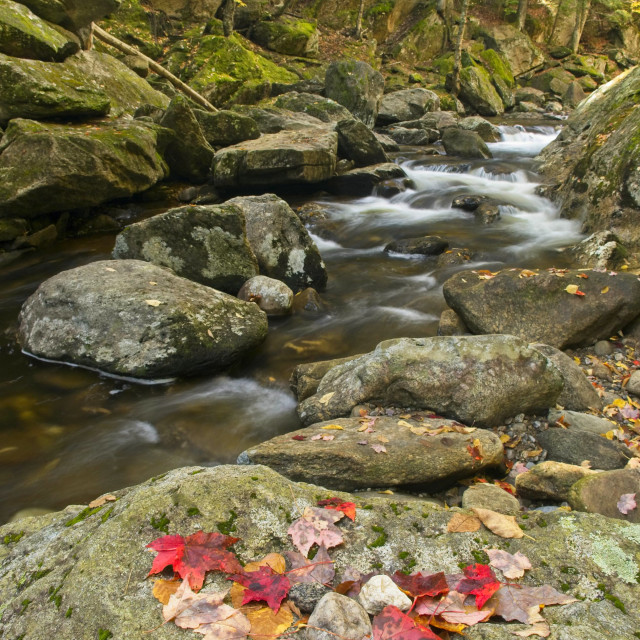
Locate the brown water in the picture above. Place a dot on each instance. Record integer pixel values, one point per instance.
(67, 434)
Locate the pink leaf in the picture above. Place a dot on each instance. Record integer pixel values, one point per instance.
(378, 448)
(627, 503)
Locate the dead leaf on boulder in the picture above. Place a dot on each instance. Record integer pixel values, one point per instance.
(539, 629)
(463, 523)
(498, 523)
(512, 566)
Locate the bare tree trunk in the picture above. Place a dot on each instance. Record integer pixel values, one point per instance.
(101, 34)
(582, 12)
(359, 20)
(444, 10)
(555, 21)
(228, 16)
(522, 13)
(455, 88)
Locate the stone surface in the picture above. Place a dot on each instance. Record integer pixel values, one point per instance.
(528, 307)
(357, 86)
(487, 131)
(108, 315)
(272, 296)
(379, 592)
(306, 377)
(451, 324)
(290, 36)
(490, 496)
(358, 143)
(274, 120)
(72, 14)
(530, 94)
(555, 81)
(362, 181)
(224, 128)
(478, 380)
(600, 250)
(427, 461)
(303, 156)
(592, 549)
(582, 421)
(51, 167)
(425, 246)
(550, 480)
(578, 394)
(516, 47)
(206, 244)
(465, 144)
(283, 247)
(323, 109)
(339, 616)
(633, 386)
(306, 595)
(414, 137)
(574, 95)
(406, 104)
(600, 492)
(477, 91)
(24, 35)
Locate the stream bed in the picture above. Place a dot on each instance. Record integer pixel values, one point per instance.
(68, 434)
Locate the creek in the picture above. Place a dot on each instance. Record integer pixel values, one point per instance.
(68, 434)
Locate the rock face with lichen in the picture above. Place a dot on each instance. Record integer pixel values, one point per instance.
(131, 318)
(87, 592)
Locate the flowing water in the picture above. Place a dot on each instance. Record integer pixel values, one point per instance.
(68, 434)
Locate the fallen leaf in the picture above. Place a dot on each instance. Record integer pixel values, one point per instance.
(98, 502)
(498, 523)
(164, 589)
(382, 438)
(452, 609)
(583, 275)
(420, 584)
(316, 526)
(321, 569)
(153, 303)
(605, 290)
(263, 584)
(527, 273)
(298, 437)
(479, 581)
(573, 289)
(512, 566)
(265, 623)
(348, 508)
(185, 599)
(379, 448)
(463, 523)
(326, 397)
(404, 423)
(321, 436)
(335, 427)
(192, 556)
(392, 624)
(539, 629)
(110, 269)
(522, 603)
(627, 503)
(209, 333)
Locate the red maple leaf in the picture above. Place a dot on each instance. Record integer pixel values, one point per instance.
(348, 508)
(263, 584)
(194, 555)
(419, 584)
(392, 624)
(479, 581)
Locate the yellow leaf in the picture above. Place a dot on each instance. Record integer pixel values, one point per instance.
(619, 402)
(109, 269)
(164, 589)
(605, 290)
(404, 423)
(572, 289)
(504, 438)
(273, 560)
(577, 360)
(527, 273)
(609, 435)
(153, 303)
(267, 624)
(383, 439)
(624, 267)
(333, 427)
(152, 283)
(463, 523)
(326, 397)
(387, 492)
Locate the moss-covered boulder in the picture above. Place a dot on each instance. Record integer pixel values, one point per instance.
(88, 84)
(290, 36)
(206, 244)
(24, 35)
(424, 41)
(224, 128)
(49, 168)
(132, 318)
(478, 92)
(515, 46)
(324, 109)
(274, 119)
(186, 9)
(102, 586)
(555, 81)
(501, 75)
(357, 86)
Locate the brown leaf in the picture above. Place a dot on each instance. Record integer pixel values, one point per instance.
(98, 502)
(498, 523)
(164, 589)
(153, 303)
(462, 523)
(512, 566)
(539, 629)
(522, 603)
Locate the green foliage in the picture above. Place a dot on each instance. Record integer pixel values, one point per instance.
(161, 523)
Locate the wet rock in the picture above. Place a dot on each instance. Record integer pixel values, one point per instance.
(38, 240)
(357, 86)
(406, 104)
(340, 617)
(601, 250)
(205, 194)
(451, 324)
(272, 296)
(361, 182)
(302, 156)
(633, 386)
(574, 446)
(132, 318)
(225, 128)
(308, 301)
(206, 244)
(600, 493)
(439, 120)
(453, 257)
(550, 480)
(108, 161)
(12, 228)
(487, 131)
(282, 245)
(554, 107)
(381, 591)
(306, 595)
(476, 379)
(465, 144)
(386, 142)
(410, 459)
(358, 143)
(529, 307)
(531, 95)
(306, 377)
(321, 108)
(578, 394)
(528, 107)
(603, 348)
(425, 246)
(469, 203)
(490, 496)
(487, 213)
(574, 95)
(477, 91)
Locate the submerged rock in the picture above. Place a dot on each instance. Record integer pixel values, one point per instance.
(425, 246)
(131, 318)
(206, 244)
(362, 181)
(479, 380)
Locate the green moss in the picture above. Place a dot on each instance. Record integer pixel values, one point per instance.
(380, 540)
(228, 526)
(105, 516)
(193, 473)
(68, 612)
(376, 565)
(193, 511)
(381, 8)
(542, 523)
(403, 554)
(104, 634)
(368, 507)
(498, 66)
(25, 603)
(87, 512)
(480, 556)
(161, 522)
(617, 603)
(394, 508)
(12, 538)
(313, 551)
(564, 587)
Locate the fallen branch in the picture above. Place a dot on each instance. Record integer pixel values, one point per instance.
(107, 38)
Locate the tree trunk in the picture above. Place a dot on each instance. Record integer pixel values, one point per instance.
(359, 20)
(455, 88)
(228, 16)
(522, 13)
(582, 11)
(444, 10)
(555, 22)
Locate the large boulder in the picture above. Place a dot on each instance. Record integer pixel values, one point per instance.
(89, 84)
(487, 131)
(479, 380)
(514, 45)
(555, 81)
(324, 109)
(88, 593)
(287, 35)
(409, 457)
(282, 245)
(465, 144)
(594, 162)
(362, 181)
(477, 91)
(206, 244)
(406, 104)
(542, 307)
(274, 119)
(132, 318)
(72, 14)
(357, 86)
(53, 167)
(358, 143)
(224, 128)
(287, 157)
(24, 35)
